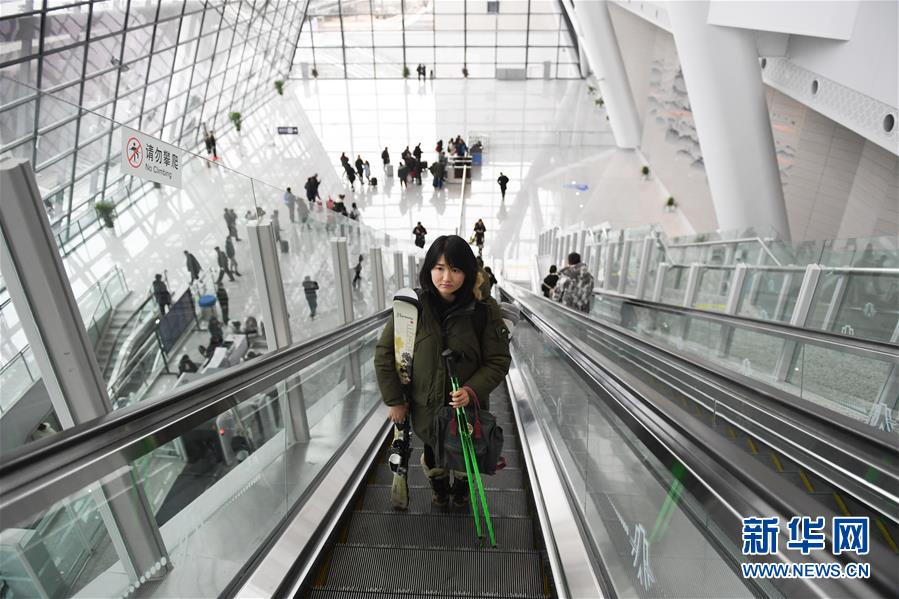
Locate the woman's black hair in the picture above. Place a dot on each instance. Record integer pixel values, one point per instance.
(457, 254)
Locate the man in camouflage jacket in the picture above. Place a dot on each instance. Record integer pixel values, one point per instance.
(575, 287)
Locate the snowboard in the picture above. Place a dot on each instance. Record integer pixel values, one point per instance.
(406, 309)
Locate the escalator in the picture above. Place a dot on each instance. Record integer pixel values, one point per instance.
(620, 482)
(428, 550)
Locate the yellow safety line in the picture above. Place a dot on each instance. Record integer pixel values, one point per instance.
(841, 504)
(752, 446)
(886, 535)
(730, 431)
(806, 482)
(776, 461)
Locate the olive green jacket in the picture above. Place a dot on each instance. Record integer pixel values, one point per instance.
(482, 363)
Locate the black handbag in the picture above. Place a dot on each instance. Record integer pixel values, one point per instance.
(486, 436)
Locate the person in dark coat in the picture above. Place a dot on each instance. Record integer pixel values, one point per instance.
(351, 176)
(357, 278)
(479, 230)
(385, 156)
(161, 294)
(360, 168)
(310, 288)
(193, 266)
(450, 309)
(232, 261)
(216, 336)
(402, 173)
(222, 260)
(550, 282)
(417, 152)
(222, 297)
(419, 231)
(503, 182)
(187, 365)
(231, 223)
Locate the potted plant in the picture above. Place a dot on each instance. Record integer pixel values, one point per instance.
(670, 204)
(645, 172)
(105, 212)
(405, 72)
(235, 118)
(590, 89)
(315, 72)
(600, 102)
(279, 86)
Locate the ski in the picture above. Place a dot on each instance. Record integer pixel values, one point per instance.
(406, 310)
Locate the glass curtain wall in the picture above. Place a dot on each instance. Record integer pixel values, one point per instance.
(166, 67)
(364, 39)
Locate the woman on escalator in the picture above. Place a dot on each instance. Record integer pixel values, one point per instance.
(453, 316)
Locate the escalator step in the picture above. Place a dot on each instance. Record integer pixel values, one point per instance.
(502, 502)
(456, 531)
(456, 573)
(508, 478)
(332, 593)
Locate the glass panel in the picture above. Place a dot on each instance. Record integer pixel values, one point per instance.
(21, 37)
(711, 293)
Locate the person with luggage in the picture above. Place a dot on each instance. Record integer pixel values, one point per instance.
(550, 282)
(222, 260)
(503, 181)
(453, 316)
(419, 231)
(193, 266)
(222, 297)
(310, 288)
(161, 294)
(350, 175)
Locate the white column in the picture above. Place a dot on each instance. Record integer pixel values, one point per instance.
(398, 271)
(276, 316)
(342, 279)
(724, 83)
(602, 50)
(377, 279)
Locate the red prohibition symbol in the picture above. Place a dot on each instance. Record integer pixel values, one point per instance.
(133, 152)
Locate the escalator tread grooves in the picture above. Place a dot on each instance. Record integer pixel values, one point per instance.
(459, 572)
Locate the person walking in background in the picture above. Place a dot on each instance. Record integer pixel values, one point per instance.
(290, 201)
(222, 297)
(360, 169)
(354, 212)
(417, 152)
(385, 156)
(358, 270)
(231, 223)
(575, 288)
(419, 231)
(216, 336)
(232, 261)
(503, 182)
(209, 140)
(193, 266)
(350, 175)
(438, 170)
(222, 260)
(312, 184)
(366, 169)
(310, 288)
(276, 226)
(161, 294)
(550, 282)
(303, 209)
(479, 230)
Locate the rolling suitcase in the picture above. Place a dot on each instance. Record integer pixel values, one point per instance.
(388, 170)
(373, 181)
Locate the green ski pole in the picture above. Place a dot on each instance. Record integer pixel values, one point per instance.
(468, 452)
(479, 482)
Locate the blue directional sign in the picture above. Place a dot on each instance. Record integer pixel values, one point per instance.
(577, 186)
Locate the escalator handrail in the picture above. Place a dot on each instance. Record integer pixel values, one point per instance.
(52, 468)
(855, 430)
(731, 482)
(867, 348)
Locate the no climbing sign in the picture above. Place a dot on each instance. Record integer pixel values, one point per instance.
(149, 158)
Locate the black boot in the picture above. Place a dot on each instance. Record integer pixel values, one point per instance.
(439, 480)
(461, 493)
